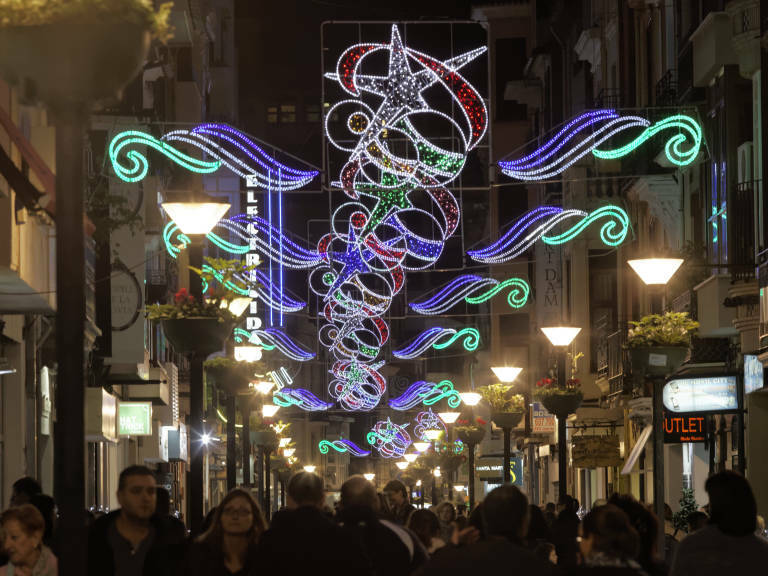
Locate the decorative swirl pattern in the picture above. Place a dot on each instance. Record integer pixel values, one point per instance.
(241, 335)
(357, 386)
(301, 398)
(280, 340)
(438, 338)
(535, 225)
(427, 393)
(390, 439)
(473, 290)
(585, 133)
(343, 446)
(428, 421)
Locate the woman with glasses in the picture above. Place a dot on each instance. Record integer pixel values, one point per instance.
(228, 547)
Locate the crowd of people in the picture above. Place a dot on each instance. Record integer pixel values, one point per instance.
(371, 533)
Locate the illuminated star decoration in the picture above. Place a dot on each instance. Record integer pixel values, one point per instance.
(374, 237)
(428, 420)
(390, 439)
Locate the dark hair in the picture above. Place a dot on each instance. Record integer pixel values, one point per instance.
(550, 507)
(27, 486)
(569, 504)
(613, 535)
(358, 492)
(27, 516)
(505, 512)
(135, 470)
(306, 489)
(448, 509)
(47, 508)
(425, 524)
(697, 520)
(732, 506)
(538, 529)
(213, 536)
(476, 519)
(643, 521)
(396, 486)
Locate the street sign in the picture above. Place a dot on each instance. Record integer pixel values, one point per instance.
(134, 419)
(681, 428)
(711, 394)
(490, 469)
(753, 373)
(596, 452)
(543, 421)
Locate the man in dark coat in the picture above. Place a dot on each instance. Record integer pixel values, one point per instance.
(133, 540)
(505, 517)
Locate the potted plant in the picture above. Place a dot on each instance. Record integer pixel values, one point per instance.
(560, 400)
(78, 50)
(470, 429)
(659, 343)
(199, 327)
(507, 408)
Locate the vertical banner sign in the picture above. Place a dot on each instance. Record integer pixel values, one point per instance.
(252, 258)
(549, 289)
(543, 421)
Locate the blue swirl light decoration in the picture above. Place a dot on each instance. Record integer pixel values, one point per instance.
(472, 289)
(537, 223)
(428, 420)
(438, 338)
(587, 132)
(374, 237)
(284, 343)
(342, 446)
(428, 394)
(301, 398)
(390, 439)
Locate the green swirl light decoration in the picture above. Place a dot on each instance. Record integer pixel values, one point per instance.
(242, 335)
(612, 232)
(138, 167)
(517, 297)
(471, 340)
(689, 132)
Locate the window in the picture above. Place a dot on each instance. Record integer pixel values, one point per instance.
(312, 113)
(287, 113)
(271, 114)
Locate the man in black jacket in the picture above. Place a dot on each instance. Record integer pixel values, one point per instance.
(505, 518)
(133, 541)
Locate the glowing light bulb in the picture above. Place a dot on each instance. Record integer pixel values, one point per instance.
(369, 476)
(310, 468)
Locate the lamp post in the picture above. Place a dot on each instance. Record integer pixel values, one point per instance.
(657, 272)
(561, 337)
(507, 375)
(196, 219)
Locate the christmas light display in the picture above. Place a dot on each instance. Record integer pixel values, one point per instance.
(390, 439)
(535, 225)
(241, 335)
(226, 145)
(343, 446)
(374, 239)
(585, 133)
(280, 340)
(428, 421)
(427, 393)
(438, 338)
(473, 290)
(301, 398)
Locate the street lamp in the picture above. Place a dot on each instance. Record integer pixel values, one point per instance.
(410, 458)
(655, 271)
(269, 410)
(506, 374)
(369, 476)
(470, 398)
(449, 417)
(264, 387)
(560, 337)
(195, 219)
(310, 468)
(402, 465)
(421, 446)
(288, 452)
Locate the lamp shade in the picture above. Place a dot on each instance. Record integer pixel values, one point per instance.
(195, 217)
(421, 446)
(288, 452)
(264, 387)
(401, 465)
(506, 374)
(655, 271)
(269, 410)
(470, 398)
(449, 417)
(432, 434)
(247, 353)
(369, 477)
(310, 468)
(560, 335)
(411, 457)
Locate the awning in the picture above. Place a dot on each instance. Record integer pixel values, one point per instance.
(637, 449)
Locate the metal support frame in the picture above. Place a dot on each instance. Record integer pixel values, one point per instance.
(196, 411)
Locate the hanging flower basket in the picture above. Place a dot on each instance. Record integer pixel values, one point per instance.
(657, 360)
(200, 336)
(470, 434)
(229, 375)
(74, 59)
(507, 419)
(264, 438)
(560, 401)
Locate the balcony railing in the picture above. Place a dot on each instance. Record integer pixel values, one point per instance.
(607, 98)
(666, 88)
(741, 237)
(746, 20)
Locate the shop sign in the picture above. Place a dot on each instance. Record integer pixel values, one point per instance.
(712, 394)
(543, 421)
(45, 401)
(174, 443)
(134, 419)
(596, 452)
(491, 469)
(681, 428)
(753, 373)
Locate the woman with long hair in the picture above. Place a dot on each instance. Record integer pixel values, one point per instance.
(23, 528)
(229, 546)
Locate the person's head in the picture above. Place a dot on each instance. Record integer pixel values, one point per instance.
(446, 512)
(668, 515)
(696, 521)
(567, 504)
(305, 489)
(396, 493)
(425, 524)
(238, 515)
(538, 530)
(162, 502)
(23, 528)
(23, 489)
(643, 521)
(550, 507)
(137, 493)
(732, 506)
(607, 530)
(47, 508)
(357, 492)
(505, 512)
